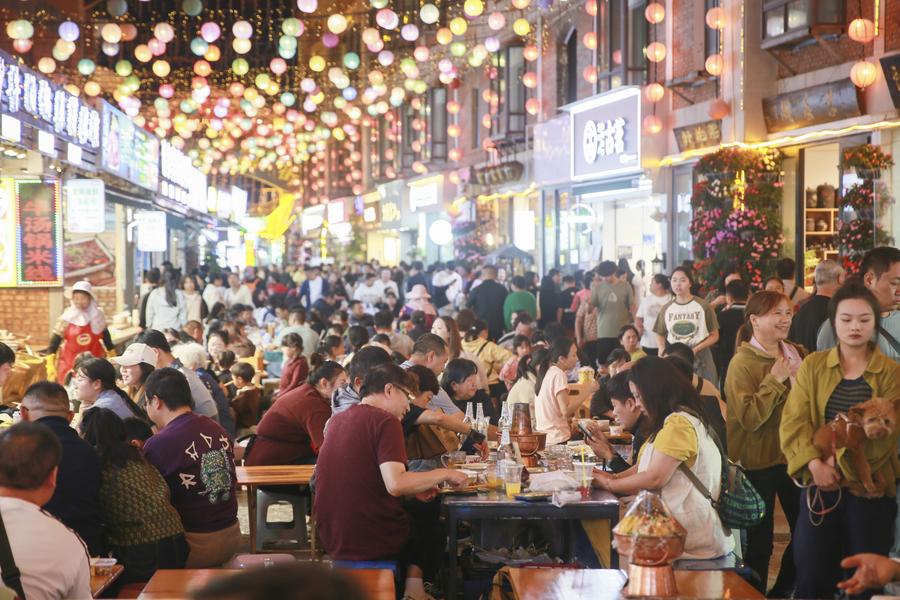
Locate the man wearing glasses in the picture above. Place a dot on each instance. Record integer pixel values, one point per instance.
(361, 483)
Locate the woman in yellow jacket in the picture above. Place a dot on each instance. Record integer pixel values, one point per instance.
(837, 517)
(760, 375)
(492, 356)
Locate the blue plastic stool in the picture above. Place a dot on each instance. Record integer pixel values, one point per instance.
(282, 535)
(366, 564)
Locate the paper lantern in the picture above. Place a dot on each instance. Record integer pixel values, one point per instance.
(142, 53)
(444, 36)
(241, 45)
(129, 32)
(22, 46)
(429, 14)
(590, 74)
(307, 6)
(337, 23)
(236, 89)
(330, 40)
(317, 63)
(473, 8)
(590, 7)
(387, 19)
(861, 30)
(715, 18)
(123, 68)
(86, 67)
(655, 13)
(92, 88)
(242, 30)
(379, 4)
(654, 92)
(386, 58)
(715, 64)
(164, 32)
(111, 33)
(161, 68)
(590, 40)
(20, 29)
(69, 31)
(530, 79)
(421, 53)
(157, 48)
(46, 65)
(210, 32)
(199, 46)
(719, 109)
(116, 8)
(652, 124)
(166, 90)
(212, 54)
(496, 21)
(656, 52)
(492, 43)
(351, 60)
(533, 106)
(109, 48)
(458, 26)
(522, 27)
(409, 32)
(531, 53)
(521, 4)
(863, 74)
(192, 8)
(202, 68)
(455, 154)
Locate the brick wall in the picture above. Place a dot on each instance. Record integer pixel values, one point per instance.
(688, 50)
(891, 26)
(106, 298)
(26, 312)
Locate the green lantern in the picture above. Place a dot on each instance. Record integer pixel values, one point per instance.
(123, 68)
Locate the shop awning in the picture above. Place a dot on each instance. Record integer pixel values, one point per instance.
(627, 183)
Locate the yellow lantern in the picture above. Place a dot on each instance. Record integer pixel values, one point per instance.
(530, 79)
(656, 52)
(92, 88)
(655, 13)
(715, 18)
(317, 63)
(652, 124)
(654, 92)
(715, 64)
(46, 65)
(337, 23)
(473, 8)
(458, 26)
(861, 30)
(522, 27)
(590, 40)
(111, 33)
(444, 36)
(161, 68)
(863, 74)
(142, 53)
(212, 54)
(241, 45)
(521, 4)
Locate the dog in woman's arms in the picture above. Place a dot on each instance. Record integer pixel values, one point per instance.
(873, 419)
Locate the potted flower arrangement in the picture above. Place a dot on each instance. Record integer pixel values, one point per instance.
(868, 160)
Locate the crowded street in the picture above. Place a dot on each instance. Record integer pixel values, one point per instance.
(468, 300)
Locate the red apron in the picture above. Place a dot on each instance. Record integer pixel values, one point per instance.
(77, 340)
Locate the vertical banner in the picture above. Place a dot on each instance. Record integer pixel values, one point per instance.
(152, 235)
(39, 234)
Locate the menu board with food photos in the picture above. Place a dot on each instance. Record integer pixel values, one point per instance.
(39, 233)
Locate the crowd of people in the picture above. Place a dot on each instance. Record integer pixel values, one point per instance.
(373, 373)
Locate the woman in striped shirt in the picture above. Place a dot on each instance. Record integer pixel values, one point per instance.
(837, 517)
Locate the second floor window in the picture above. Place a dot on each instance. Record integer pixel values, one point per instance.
(437, 123)
(786, 21)
(623, 35)
(567, 69)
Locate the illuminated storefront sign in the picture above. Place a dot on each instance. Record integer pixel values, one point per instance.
(50, 107)
(8, 252)
(425, 192)
(39, 233)
(312, 218)
(606, 135)
(128, 151)
(336, 213)
(181, 181)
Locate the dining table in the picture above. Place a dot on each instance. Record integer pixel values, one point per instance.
(172, 584)
(103, 577)
(253, 477)
(600, 506)
(608, 584)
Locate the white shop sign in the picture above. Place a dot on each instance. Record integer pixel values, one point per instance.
(606, 135)
(424, 195)
(182, 181)
(152, 235)
(85, 206)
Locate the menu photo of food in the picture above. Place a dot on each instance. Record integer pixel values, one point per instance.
(89, 258)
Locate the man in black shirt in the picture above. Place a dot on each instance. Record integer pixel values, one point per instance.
(487, 301)
(730, 318)
(628, 415)
(829, 276)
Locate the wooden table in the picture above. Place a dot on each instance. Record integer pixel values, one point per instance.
(601, 505)
(607, 584)
(253, 477)
(378, 584)
(104, 578)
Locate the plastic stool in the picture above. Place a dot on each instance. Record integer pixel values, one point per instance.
(247, 561)
(366, 565)
(284, 535)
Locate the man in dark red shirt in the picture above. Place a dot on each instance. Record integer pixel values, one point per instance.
(361, 480)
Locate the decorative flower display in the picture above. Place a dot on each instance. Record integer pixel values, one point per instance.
(868, 157)
(736, 220)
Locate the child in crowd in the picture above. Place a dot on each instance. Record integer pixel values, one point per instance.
(509, 371)
(223, 372)
(247, 399)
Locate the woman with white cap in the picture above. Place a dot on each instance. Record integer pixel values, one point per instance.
(135, 365)
(418, 298)
(81, 328)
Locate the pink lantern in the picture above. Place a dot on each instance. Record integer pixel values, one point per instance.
(210, 32)
(22, 46)
(278, 66)
(166, 90)
(330, 40)
(157, 47)
(387, 18)
(421, 53)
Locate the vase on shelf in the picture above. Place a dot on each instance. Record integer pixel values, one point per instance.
(826, 194)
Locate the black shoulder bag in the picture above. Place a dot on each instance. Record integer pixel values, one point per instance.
(10, 573)
(891, 339)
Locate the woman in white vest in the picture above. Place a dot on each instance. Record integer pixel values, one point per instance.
(677, 433)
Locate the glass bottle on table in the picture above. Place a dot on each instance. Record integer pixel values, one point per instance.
(470, 417)
(505, 453)
(481, 424)
(505, 421)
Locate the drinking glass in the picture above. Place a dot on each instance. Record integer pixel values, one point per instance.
(512, 478)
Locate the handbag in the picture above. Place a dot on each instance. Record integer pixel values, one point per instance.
(10, 573)
(430, 441)
(739, 505)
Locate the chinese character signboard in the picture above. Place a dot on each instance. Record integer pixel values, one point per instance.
(606, 135)
(891, 67)
(811, 106)
(181, 181)
(27, 95)
(39, 233)
(699, 135)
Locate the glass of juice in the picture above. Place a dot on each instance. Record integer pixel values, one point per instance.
(512, 478)
(493, 477)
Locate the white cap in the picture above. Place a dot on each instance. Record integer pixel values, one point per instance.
(83, 286)
(136, 354)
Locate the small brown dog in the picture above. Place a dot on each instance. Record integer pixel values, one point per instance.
(873, 419)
